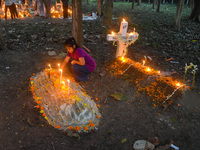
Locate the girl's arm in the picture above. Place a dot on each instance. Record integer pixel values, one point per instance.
(80, 61)
(65, 62)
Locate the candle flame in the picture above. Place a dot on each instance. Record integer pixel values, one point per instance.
(143, 62)
(124, 20)
(131, 33)
(113, 33)
(67, 80)
(60, 70)
(158, 72)
(178, 84)
(63, 82)
(148, 69)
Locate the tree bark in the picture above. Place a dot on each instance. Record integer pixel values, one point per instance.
(196, 11)
(158, 6)
(77, 25)
(47, 4)
(88, 1)
(154, 2)
(1, 38)
(192, 5)
(133, 3)
(99, 7)
(139, 2)
(107, 17)
(179, 13)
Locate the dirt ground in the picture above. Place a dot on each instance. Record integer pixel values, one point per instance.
(123, 122)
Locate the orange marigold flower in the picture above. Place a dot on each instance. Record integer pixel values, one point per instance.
(33, 73)
(179, 105)
(85, 128)
(98, 116)
(98, 106)
(38, 102)
(91, 125)
(70, 127)
(33, 93)
(57, 126)
(31, 79)
(42, 108)
(37, 106)
(96, 99)
(35, 97)
(77, 128)
(44, 115)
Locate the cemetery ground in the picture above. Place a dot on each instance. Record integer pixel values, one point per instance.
(123, 122)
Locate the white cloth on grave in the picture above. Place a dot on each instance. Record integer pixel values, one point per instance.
(40, 8)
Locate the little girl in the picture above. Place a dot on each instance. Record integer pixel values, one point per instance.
(78, 61)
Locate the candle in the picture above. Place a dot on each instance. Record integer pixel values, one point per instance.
(111, 37)
(123, 27)
(68, 85)
(63, 84)
(60, 75)
(59, 66)
(143, 62)
(49, 70)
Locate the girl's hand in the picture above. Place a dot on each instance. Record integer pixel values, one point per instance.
(73, 62)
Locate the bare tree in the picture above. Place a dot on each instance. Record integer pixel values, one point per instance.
(133, 3)
(179, 13)
(100, 8)
(158, 6)
(107, 17)
(139, 2)
(1, 38)
(77, 25)
(47, 4)
(154, 2)
(196, 11)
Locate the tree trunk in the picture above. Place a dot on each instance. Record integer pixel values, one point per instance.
(139, 2)
(47, 4)
(154, 2)
(133, 3)
(1, 38)
(158, 6)
(172, 2)
(149, 1)
(196, 11)
(187, 2)
(99, 7)
(179, 12)
(88, 1)
(192, 5)
(163, 2)
(77, 25)
(107, 17)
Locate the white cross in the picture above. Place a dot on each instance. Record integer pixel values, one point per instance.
(123, 38)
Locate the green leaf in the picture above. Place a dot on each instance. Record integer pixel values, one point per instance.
(119, 96)
(124, 140)
(173, 119)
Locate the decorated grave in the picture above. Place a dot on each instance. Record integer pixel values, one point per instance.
(161, 89)
(63, 103)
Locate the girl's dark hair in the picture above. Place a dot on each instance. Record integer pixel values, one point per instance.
(70, 42)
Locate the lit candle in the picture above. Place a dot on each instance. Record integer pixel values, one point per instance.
(68, 85)
(178, 84)
(148, 69)
(49, 70)
(143, 62)
(59, 66)
(60, 75)
(123, 27)
(63, 84)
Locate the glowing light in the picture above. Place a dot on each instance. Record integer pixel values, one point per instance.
(124, 20)
(143, 62)
(131, 33)
(148, 69)
(68, 85)
(60, 75)
(158, 72)
(113, 33)
(178, 84)
(63, 84)
(59, 66)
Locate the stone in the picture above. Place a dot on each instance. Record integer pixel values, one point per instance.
(52, 53)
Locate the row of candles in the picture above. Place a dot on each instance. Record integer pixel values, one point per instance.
(149, 70)
(61, 82)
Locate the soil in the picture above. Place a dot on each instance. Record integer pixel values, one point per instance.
(123, 122)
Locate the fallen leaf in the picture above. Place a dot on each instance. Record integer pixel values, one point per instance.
(119, 96)
(124, 140)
